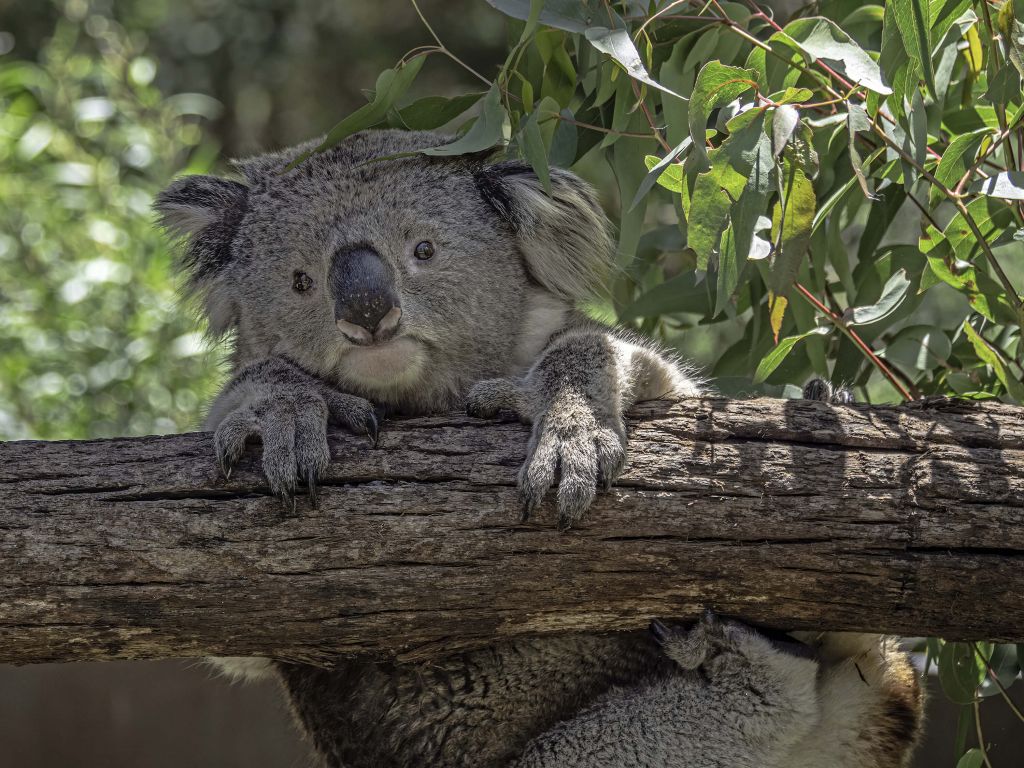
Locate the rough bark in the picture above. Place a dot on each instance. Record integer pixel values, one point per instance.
(791, 513)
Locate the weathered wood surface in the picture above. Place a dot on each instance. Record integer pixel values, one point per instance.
(789, 513)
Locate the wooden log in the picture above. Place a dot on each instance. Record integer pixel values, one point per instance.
(787, 513)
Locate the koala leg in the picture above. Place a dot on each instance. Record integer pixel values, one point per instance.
(735, 700)
(871, 704)
(288, 409)
(575, 396)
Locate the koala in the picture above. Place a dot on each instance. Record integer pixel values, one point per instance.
(372, 279)
(737, 699)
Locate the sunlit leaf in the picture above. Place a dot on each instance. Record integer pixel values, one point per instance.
(785, 119)
(717, 84)
(1007, 185)
(665, 171)
(821, 38)
(913, 18)
(619, 45)
(893, 294)
(791, 229)
(774, 359)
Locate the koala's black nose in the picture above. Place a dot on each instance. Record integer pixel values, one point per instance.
(366, 306)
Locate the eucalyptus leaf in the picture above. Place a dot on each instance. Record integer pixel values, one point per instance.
(1007, 185)
(391, 85)
(619, 45)
(821, 38)
(785, 119)
(717, 84)
(658, 169)
(488, 131)
(774, 358)
(893, 294)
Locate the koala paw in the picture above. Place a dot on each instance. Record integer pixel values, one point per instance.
(293, 428)
(825, 392)
(581, 451)
(488, 397)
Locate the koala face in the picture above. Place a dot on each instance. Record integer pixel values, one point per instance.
(403, 279)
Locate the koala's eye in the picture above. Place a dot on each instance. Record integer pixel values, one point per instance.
(302, 282)
(424, 250)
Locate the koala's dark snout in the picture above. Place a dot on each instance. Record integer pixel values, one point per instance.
(366, 305)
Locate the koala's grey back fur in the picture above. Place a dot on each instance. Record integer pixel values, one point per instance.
(490, 320)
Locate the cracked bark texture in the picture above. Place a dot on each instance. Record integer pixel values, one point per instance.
(787, 513)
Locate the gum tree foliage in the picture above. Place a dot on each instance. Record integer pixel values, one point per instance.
(841, 195)
(94, 341)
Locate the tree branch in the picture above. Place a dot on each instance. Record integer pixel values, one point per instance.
(788, 513)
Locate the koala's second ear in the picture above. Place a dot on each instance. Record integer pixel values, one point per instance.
(564, 237)
(205, 211)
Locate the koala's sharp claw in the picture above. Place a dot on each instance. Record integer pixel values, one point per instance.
(373, 430)
(660, 631)
(228, 469)
(527, 505)
(288, 503)
(314, 496)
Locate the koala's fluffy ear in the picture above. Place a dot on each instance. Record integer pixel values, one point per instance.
(205, 211)
(564, 237)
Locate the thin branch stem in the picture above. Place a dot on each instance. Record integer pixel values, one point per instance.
(981, 736)
(591, 127)
(444, 49)
(650, 118)
(839, 323)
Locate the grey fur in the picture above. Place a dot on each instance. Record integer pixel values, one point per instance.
(489, 323)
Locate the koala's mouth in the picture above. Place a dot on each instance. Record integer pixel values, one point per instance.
(394, 364)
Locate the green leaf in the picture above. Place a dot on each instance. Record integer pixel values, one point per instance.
(791, 229)
(391, 85)
(960, 152)
(434, 111)
(792, 96)
(536, 153)
(785, 120)
(488, 131)
(619, 45)
(717, 84)
(666, 171)
(821, 38)
(893, 294)
(913, 18)
(988, 355)
(972, 758)
(713, 195)
(1006, 185)
(774, 358)
(960, 673)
